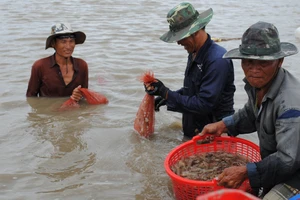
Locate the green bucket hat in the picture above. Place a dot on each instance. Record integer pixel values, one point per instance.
(261, 42)
(184, 20)
(62, 29)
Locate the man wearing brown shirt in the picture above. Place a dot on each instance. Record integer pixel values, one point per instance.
(59, 75)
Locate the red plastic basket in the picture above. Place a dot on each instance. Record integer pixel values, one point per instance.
(189, 189)
(227, 194)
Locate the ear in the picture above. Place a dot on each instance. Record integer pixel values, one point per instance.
(53, 43)
(280, 61)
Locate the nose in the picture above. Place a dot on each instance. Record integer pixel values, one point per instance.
(69, 44)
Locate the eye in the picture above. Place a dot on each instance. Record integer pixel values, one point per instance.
(246, 62)
(266, 63)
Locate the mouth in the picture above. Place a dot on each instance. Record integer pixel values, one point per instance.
(254, 77)
(251, 76)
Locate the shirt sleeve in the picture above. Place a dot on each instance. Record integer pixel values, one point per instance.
(34, 82)
(242, 122)
(86, 76)
(209, 92)
(283, 164)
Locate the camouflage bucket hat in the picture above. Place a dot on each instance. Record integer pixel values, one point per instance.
(184, 20)
(62, 29)
(261, 42)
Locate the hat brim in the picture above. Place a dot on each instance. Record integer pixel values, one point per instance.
(202, 20)
(287, 49)
(79, 38)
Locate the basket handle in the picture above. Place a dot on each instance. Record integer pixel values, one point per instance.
(203, 139)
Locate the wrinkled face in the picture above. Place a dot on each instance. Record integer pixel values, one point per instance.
(188, 44)
(64, 46)
(260, 72)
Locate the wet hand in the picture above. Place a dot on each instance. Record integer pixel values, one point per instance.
(157, 88)
(215, 129)
(232, 177)
(76, 94)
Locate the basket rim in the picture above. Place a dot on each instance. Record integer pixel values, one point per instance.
(193, 141)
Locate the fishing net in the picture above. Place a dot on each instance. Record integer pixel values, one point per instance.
(144, 121)
(91, 97)
(69, 104)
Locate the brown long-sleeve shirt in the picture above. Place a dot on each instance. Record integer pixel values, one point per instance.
(46, 79)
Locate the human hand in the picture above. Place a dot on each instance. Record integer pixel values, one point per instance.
(215, 129)
(232, 177)
(158, 102)
(157, 88)
(76, 94)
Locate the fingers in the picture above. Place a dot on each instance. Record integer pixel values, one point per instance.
(159, 104)
(150, 89)
(215, 129)
(156, 108)
(232, 177)
(223, 181)
(148, 86)
(205, 130)
(76, 94)
(153, 91)
(228, 184)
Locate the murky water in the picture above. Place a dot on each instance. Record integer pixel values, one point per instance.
(93, 152)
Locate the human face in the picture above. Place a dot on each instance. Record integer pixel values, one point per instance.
(260, 72)
(188, 44)
(64, 46)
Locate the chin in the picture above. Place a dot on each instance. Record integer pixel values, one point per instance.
(256, 85)
(67, 55)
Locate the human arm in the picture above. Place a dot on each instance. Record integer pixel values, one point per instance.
(83, 79)
(159, 89)
(34, 82)
(202, 89)
(280, 152)
(205, 88)
(231, 177)
(215, 129)
(84, 70)
(86, 78)
(241, 122)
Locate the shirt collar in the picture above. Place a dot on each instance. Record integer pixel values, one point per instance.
(202, 51)
(53, 62)
(274, 89)
(277, 82)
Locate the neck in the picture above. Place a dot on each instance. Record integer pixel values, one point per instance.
(61, 60)
(200, 39)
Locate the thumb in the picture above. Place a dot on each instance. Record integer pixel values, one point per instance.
(219, 179)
